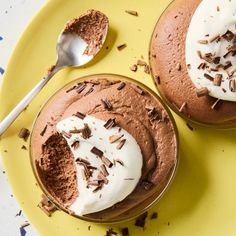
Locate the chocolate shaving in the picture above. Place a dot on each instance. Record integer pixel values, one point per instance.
(98, 188)
(85, 171)
(134, 68)
(121, 86)
(79, 115)
(24, 147)
(217, 79)
(232, 85)
(199, 54)
(215, 38)
(120, 162)
(125, 231)
(104, 170)
(227, 65)
(24, 134)
(110, 232)
(86, 131)
(107, 162)
(107, 104)
(209, 77)
(94, 182)
(122, 46)
(138, 89)
(89, 91)
(189, 126)
(128, 178)
(102, 178)
(75, 144)
(121, 144)
(141, 220)
(216, 60)
(82, 160)
(203, 41)
(80, 88)
(75, 131)
(44, 130)
(228, 35)
(70, 89)
(115, 137)
(110, 123)
(202, 66)
(141, 63)
(131, 12)
(97, 151)
(24, 225)
(202, 92)
(154, 216)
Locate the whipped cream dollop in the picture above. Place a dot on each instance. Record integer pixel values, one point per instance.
(108, 162)
(211, 48)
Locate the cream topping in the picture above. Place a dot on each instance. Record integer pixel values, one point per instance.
(211, 48)
(123, 175)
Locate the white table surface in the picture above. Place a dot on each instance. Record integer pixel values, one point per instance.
(14, 17)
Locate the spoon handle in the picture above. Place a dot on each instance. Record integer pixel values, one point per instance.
(6, 122)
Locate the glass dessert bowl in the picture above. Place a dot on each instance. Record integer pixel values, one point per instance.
(104, 148)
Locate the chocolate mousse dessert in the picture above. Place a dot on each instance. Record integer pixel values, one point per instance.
(192, 56)
(104, 148)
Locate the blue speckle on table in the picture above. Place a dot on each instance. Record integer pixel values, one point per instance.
(22, 231)
(2, 70)
(1, 38)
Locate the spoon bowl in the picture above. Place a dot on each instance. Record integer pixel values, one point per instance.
(79, 42)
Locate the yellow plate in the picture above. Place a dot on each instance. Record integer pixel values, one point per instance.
(200, 201)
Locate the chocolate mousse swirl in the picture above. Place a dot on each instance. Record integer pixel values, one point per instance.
(133, 109)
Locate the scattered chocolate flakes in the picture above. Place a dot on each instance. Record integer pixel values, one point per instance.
(189, 126)
(209, 77)
(120, 162)
(216, 60)
(24, 147)
(215, 104)
(110, 123)
(97, 151)
(128, 178)
(121, 144)
(104, 170)
(47, 206)
(134, 68)
(218, 8)
(141, 63)
(71, 89)
(227, 65)
(121, 86)
(24, 134)
(202, 92)
(44, 130)
(115, 137)
(86, 171)
(203, 41)
(232, 85)
(93, 182)
(89, 91)
(67, 135)
(125, 231)
(107, 104)
(147, 69)
(154, 216)
(79, 115)
(138, 89)
(89, 227)
(199, 54)
(98, 188)
(141, 220)
(75, 131)
(217, 79)
(19, 213)
(107, 162)
(188, 66)
(80, 88)
(121, 46)
(86, 131)
(131, 12)
(146, 184)
(215, 38)
(228, 35)
(75, 144)
(82, 160)
(202, 66)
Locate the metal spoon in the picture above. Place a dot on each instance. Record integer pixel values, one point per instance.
(79, 42)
